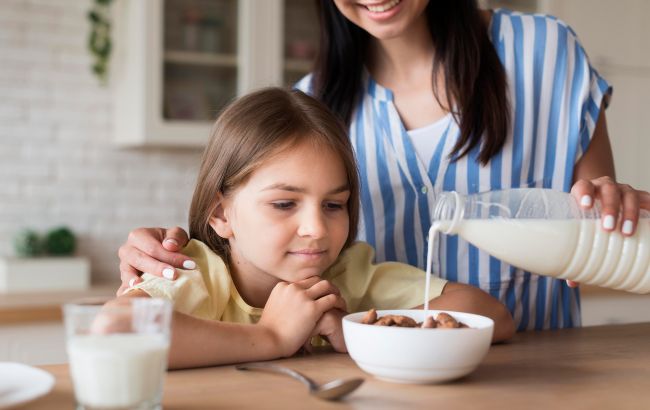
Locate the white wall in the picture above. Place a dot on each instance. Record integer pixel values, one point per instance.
(58, 165)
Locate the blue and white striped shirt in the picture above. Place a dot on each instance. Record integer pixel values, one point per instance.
(555, 96)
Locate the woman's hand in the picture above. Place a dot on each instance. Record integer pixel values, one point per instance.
(620, 204)
(155, 251)
(615, 199)
(294, 309)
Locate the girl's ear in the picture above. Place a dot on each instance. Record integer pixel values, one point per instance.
(219, 220)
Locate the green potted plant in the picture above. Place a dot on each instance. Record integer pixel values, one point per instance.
(44, 262)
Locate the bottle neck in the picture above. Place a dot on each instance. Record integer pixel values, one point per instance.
(448, 212)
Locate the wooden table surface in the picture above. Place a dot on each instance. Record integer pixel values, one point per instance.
(605, 367)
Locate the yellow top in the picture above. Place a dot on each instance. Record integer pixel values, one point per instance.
(208, 291)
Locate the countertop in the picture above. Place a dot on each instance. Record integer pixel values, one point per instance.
(46, 306)
(588, 368)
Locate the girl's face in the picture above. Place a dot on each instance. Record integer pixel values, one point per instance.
(289, 220)
(383, 19)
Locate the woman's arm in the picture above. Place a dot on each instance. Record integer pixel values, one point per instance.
(594, 177)
(465, 298)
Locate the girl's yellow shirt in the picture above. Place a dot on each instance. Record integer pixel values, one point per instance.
(208, 291)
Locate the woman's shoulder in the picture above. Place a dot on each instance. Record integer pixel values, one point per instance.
(305, 84)
(515, 26)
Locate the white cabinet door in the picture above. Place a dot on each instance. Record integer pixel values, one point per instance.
(178, 63)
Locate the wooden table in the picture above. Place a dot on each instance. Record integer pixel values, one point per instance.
(606, 367)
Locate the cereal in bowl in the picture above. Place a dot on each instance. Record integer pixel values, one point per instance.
(443, 320)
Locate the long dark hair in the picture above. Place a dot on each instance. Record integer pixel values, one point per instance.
(475, 80)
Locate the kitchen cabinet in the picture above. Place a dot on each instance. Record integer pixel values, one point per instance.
(178, 63)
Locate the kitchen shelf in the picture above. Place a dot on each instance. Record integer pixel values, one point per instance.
(199, 58)
(300, 65)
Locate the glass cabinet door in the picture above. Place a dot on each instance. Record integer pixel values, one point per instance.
(301, 32)
(199, 58)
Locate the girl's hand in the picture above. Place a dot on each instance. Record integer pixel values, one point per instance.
(293, 310)
(615, 199)
(155, 251)
(330, 326)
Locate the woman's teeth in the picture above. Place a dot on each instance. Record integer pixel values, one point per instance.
(380, 8)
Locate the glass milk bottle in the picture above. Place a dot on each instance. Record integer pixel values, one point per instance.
(546, 232)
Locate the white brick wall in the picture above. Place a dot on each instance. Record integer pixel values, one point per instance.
(58, 165)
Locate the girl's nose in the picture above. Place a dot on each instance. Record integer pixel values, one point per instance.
(312, 224)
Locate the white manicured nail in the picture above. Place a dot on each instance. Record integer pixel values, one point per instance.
(585, 200)
(188, 264)
(172, 241)
(608, 222)
(132, 282)
(628, 227)
(168, 273)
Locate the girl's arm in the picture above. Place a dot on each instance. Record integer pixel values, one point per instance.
(465, 298)
(288, 319)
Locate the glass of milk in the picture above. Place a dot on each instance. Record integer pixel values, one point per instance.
(118, 352)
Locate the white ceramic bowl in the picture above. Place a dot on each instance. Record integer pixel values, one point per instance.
(414, 355)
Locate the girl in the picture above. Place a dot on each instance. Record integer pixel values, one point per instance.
(273, 220)
(438, 96)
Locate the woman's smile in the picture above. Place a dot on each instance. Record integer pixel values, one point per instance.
(382, 10)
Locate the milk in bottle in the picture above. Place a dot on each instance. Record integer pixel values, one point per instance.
(546, 232)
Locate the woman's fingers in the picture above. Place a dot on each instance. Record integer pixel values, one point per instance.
(150, 242)
(142, 262)
(610, 201)
(572, 284)
(175, 239)
(129, 277)
(145, 251)
(630, 212)
(616, 200)
(644, 200)
(584, 192)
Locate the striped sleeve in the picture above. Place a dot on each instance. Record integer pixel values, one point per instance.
(587, 93)
(304, 84)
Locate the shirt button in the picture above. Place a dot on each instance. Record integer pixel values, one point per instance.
(424, 190)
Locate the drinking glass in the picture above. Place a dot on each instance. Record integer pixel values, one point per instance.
(118, 352)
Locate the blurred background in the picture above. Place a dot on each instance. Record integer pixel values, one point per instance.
(101, 126)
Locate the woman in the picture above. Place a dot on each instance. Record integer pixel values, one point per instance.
(439, 95)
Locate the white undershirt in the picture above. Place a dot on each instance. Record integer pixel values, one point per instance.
(426, 139)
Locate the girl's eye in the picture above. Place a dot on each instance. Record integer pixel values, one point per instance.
(334, 206)
(283, 205)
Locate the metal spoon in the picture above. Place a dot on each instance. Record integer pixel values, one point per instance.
(334, 390)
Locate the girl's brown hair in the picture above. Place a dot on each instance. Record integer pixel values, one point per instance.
(253, 129)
